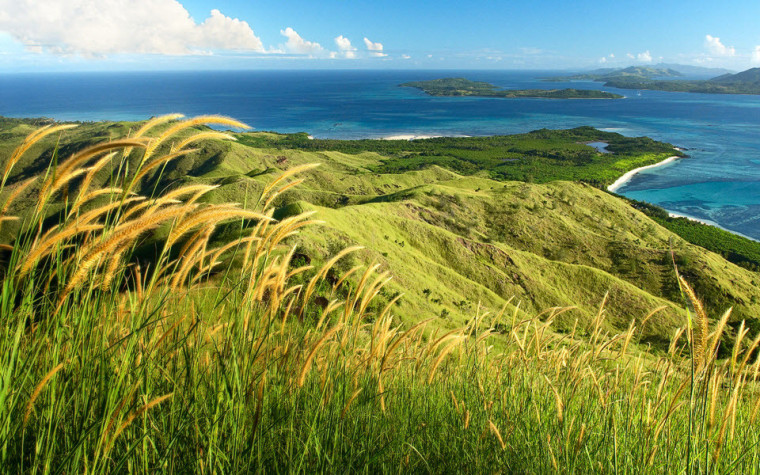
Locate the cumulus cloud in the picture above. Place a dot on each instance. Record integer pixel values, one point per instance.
(644, 57)
(343, 43)
(603, 59)
(373, 46)
(298, 45)
(376, 49)
(714, 46)
(406, 56)
(103, 27)
(345, 46)
(756, 54)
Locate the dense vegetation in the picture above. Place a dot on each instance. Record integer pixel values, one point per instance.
(745, 82)
(151, 324)
(638, 72)
(540, 156)
(465, 87)
(737, 249)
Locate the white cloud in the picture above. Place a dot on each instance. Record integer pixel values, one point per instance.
(714, 46)
(531, 50)
(298, 45)
(103, 27)
(344, 45)
(644, 57)
(375, 48)
(756, 54)
(406, 56)
(612, 55)
(603, 59)
(630, 56)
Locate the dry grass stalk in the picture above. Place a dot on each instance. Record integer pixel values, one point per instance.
(180, 126)
(313, 352)
(208, 135)
(287, 174)
(208, 215)
(90, 176)
(135, 414)
(69, 169)
(441, 356)
(323, 272)
(121, 234)
(47, 246)
(348, 404)
(495, 431)
(16, 192)
(38, 389)
(702, 326)
(158, 162)
(32, 139)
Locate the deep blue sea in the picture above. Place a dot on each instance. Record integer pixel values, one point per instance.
(719, 183)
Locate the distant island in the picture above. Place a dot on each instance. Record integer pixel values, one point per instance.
(464, 87)
(746, 82)
(603, 75)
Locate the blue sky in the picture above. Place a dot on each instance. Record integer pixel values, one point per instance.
(55, 35)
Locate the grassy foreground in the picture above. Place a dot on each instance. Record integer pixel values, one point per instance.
(222, 354)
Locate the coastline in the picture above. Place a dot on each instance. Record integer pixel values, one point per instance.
(627, 176)
(416, 137)
(410, 137)
(709, 223)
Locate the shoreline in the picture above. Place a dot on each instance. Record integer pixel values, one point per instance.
(628, 175)
(409, 137)
(708, 222)
(414, 137)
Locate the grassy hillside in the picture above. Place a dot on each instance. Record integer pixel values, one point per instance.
(447, 220)
(151, 324)
(745, 82)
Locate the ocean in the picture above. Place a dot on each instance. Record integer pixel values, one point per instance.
(719, 183)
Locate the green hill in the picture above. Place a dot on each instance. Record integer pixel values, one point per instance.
(171, 305)
(462, 222)
(605, 74)
(746, 82)
(465, 87)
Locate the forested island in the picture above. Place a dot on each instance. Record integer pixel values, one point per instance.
(464, 87)
(746, 82)
(605, 74)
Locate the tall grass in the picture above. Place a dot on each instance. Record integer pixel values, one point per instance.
(220, 357)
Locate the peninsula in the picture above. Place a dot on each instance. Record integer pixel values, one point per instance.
(464, 87)
(605, 74)
(745, 82)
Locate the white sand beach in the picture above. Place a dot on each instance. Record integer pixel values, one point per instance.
(417, 136)
(410, 137)
(625, 178)
(692, 218)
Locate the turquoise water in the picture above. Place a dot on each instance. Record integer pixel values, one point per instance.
(719, 182)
